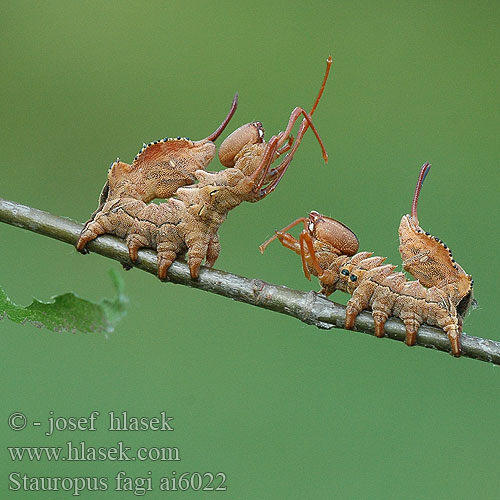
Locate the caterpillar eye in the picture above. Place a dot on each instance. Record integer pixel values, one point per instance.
(345, 272)
(213, 192)
(354, 277)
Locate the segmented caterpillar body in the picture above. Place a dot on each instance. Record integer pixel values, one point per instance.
(189, 220)
(441, 295)
(386, 293)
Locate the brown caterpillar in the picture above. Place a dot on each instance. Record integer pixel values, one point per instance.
(189, 221)
(158, 170)
(441, 295)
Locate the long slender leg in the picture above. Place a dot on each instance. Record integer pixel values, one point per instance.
(281, 231)
(273, 172)
(305, 125)
(322, 88)
(303, 252)
(279, 171)
(288, 241)
(259, 175)
(286, 147)
(294, 116)
(305, 238)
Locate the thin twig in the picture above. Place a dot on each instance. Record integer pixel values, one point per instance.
(309, 307)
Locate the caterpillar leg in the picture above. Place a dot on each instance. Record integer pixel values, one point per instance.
(412, 325)
(103, 223)
(197, 251)
(165, 258)
(134, 243)
(90, 232)
(359, 301)
(213, 251)
(326, 289)
(454, 333)
(379, 318)
(351, 313)
(116, 217)
(170, 245)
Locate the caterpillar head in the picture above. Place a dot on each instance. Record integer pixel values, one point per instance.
(332, 233)
(251, 133)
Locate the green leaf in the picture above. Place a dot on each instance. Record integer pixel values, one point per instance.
(68, 312)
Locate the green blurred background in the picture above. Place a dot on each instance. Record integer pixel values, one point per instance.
(285, 410)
